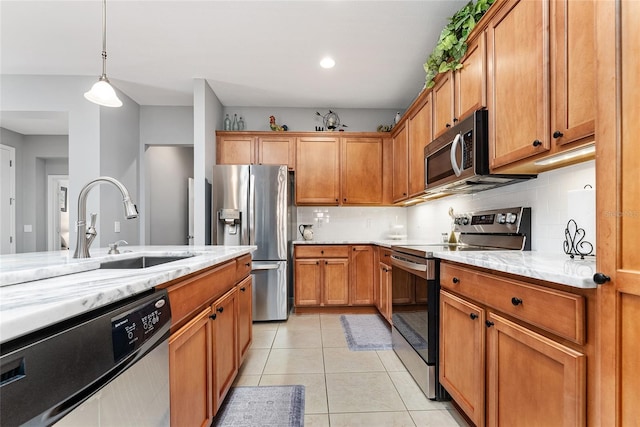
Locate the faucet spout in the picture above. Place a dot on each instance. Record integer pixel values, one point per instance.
(84, 237)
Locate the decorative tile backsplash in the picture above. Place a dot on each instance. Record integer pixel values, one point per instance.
(547, 196)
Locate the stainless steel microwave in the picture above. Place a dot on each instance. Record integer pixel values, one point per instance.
(458, 160)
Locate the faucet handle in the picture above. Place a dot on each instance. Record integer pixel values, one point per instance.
(113, 247)
(93, 219)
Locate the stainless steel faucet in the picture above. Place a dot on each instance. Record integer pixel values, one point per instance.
(85, 236)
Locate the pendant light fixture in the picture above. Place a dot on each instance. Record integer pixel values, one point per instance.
(102, 93)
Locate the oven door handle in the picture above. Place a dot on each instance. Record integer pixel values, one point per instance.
(407, 264)
(456, 169)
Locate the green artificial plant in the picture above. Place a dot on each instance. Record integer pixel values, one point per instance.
(452, 44)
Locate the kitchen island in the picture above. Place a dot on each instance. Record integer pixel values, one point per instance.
(43, 288)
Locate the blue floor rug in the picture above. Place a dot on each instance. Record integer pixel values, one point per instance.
(366, 332)
(268, 406)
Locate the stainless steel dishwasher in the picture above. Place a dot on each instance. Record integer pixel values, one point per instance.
(108, 367)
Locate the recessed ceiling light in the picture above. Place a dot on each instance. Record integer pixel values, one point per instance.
(327, 62)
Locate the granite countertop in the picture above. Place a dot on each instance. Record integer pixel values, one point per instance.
(555, 268)
(29, 300)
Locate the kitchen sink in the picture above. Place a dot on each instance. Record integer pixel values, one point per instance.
(141, 262)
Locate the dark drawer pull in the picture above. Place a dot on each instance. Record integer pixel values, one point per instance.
(473, 316)
(243, 289)
(516, 301)
(220, 309)
(248, 264)
(213, 316)
(488, 323)
(537, 143)
(557, 134)
(456, 280)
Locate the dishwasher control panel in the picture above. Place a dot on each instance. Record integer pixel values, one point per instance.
(131, 329)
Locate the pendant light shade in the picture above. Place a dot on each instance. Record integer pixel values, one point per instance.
(102, 93)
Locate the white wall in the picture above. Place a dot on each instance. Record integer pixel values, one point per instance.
(305, 119)
(546, 195)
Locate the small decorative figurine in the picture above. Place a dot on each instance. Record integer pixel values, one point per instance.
(274, 126)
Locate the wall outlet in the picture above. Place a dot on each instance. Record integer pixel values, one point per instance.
(116, 227)
(28, 228)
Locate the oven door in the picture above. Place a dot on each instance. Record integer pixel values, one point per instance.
(414, 306)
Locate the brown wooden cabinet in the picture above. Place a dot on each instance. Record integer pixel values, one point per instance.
(443, 104)
(400, 164)
(618, 211)
(249, 148)
(361, 168)
(362, 275)
(518, 83)
(224, 342)
(321, 275)
(462, 349)
(245, 316)
(190, 373)
(532, 377)
(383, 284)
(419, 135)
(318, 170)
(470, 81)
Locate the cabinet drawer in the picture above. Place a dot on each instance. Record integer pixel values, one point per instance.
(322, 251)
(193, 294)
(558, 312)
(385, 256)
(243, 267)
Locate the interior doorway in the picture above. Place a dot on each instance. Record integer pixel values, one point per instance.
(58, 212)
(7, 200)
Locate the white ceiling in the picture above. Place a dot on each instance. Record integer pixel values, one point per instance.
(252, 53)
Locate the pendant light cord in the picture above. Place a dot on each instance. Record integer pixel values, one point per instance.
(104, 39)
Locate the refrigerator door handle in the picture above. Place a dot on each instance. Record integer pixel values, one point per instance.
(252, 207)
(265, 267)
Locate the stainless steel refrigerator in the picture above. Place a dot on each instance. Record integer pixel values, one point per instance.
(252, 205)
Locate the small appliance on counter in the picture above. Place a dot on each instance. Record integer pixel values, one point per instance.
(416, 326)
(306, 231)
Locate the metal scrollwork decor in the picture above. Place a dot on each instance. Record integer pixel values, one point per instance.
(574, 243)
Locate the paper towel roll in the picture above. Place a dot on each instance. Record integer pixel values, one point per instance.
(582, 209)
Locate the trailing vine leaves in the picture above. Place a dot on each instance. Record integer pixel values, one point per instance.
(452, 43)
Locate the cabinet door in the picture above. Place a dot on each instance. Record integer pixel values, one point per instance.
(443, 102)
(276, 150)
(335, 281)
(190, 372)
(518, 87)
(384, 293)
(317, 171)
(308, 278)
(362, 275)
(224, 345)
(245, 316)
(532, 380)
(235, 150)
(462, 350)
(573, 65)
(361, 171)
(419, 136)
(471, 80)
(618, 210)
(400, 165)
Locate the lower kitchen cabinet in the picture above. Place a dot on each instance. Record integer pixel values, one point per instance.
(383, 285)
(245, 316)
(224, 344)
(504, 372)
(362, 275)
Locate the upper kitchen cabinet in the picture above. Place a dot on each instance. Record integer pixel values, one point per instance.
(573, 64)
(419, 134)
(318, 170)
(249, 148)
(443, 104)
(518, 83)
(400, 163)
(362, 171)
(470, 81)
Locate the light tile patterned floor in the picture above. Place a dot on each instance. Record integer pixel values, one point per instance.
(342, 387)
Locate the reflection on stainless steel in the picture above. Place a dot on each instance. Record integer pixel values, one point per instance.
(85, 236)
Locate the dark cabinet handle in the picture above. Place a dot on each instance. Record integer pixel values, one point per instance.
(601, 278)
(213, 316)
(386, 255)
(326, 263)
(322, 252)
(242, 289)
(317, 262)
(248, 264)
(456, 280)
(473, 316)
(455, 120)
(354, 249)
(344, 200)
(516, 301)
(447, 125)
(220, 309)
(336, 200)
(488, 323)
(537, 143)
(557, 134)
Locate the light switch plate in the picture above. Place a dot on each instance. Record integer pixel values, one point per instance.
(116, 227)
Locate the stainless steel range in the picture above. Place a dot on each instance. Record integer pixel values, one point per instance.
(416, 288)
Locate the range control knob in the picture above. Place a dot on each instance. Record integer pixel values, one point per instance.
(465, 220)
(501, 218)
(512, 217)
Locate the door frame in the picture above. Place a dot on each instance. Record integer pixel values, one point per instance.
(12, 196)
(53, 210)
